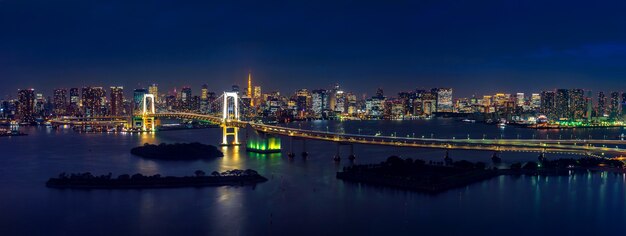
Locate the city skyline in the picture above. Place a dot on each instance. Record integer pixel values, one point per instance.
(361, 45)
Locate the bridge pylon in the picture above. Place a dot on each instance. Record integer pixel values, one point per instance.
(227, 117)
(147, 115)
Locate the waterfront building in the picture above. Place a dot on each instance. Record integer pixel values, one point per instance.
(26, 105)
(320, 102)
(561, 104)
(577, 104)
(93, 101)
(74, 107)
(117, 101)
(614, 106)
(601, 110)
(138, 95)
(548, 104)
(444, 99)
(60, 102)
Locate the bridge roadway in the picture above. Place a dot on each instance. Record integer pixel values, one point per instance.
(569, 146)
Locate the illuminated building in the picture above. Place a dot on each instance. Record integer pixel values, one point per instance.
(74, 107)
(250, 89)
(577, 104)
(39, 104)
(117, 101)
(94, 101)
(26, 104)
(624, 104)
(204, 92)
(614, 108)
(320, 100)
(185, 98)
(547, 104)
(138, 95)
(257, 95)
(204, 99)
(601, 108)
(561, 104)
(444, 100)
(154, 90)
(520, 99)
(340, 101)
(303, 102)
(60, 102)
(352, 103)
(535, 101)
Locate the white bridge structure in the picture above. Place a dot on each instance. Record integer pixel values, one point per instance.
(231, 123)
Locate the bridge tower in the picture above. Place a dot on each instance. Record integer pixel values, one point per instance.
(148, 123)
(227, 128)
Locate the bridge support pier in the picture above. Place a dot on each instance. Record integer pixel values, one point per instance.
(291, 154)
(337, 158)
(230, 131)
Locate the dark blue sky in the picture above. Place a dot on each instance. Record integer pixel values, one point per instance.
(473, 46)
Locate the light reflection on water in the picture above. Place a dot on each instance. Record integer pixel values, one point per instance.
(302, 196)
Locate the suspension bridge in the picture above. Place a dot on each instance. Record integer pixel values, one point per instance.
(231, 123)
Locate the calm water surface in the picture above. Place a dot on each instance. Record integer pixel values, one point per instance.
(302, 197)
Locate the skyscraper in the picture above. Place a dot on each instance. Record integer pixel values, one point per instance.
(548, 104)
(577, 104)
(561, 104)
(154, 90)
(138, 95)
(320, 101)
(94, 101)
(74, 107)
(26, 105)
(601, 108)
(60, 102)
(614, 105)
(117, 101)
(520, 99)
(444, 99)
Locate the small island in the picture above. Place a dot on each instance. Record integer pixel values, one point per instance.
(138, 181)
(417, 175)
(436, 177)
(177, 151)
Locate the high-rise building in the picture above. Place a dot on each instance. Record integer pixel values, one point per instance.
(614, 105)
(320, 101)
(154, 90)
(40, 104)
(623, 104)
(204, 92)
(444, 99)
(74, 107)
(535, 101)
(93, 101)
(561, 104)
(601, 110)
(60, 102)
(577, 104)
(186, 98)
(138, 95)
(548, 104)
(520, 99)
(117, 101)
(26, 105)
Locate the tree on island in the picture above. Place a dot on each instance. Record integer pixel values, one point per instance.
(199, 173)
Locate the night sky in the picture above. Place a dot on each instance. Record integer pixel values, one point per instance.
(476, 47)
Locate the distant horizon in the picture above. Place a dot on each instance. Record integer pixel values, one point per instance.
(196, 88)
